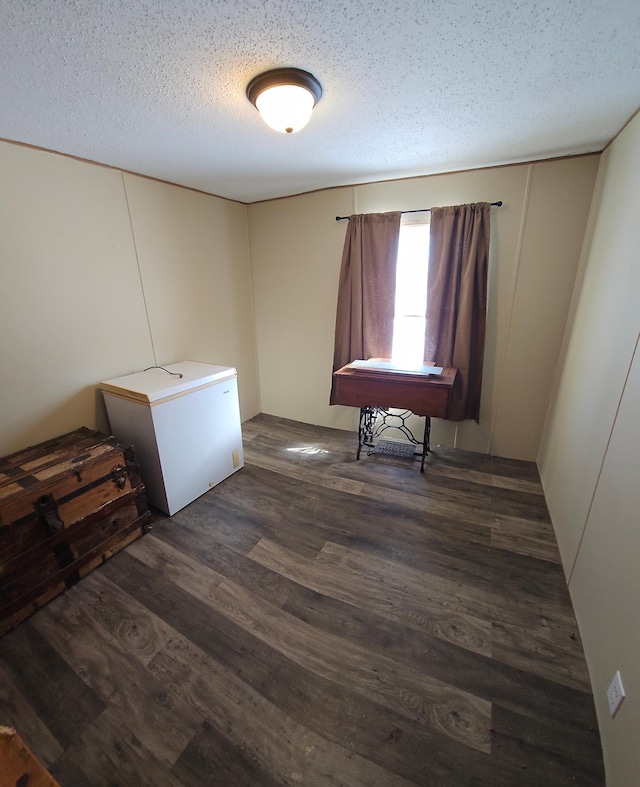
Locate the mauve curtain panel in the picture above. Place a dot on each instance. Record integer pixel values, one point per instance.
(457, 300)
(366, 292)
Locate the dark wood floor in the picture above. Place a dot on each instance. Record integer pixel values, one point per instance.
(321, 621)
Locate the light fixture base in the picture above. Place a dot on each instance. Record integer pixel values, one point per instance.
(283, 76)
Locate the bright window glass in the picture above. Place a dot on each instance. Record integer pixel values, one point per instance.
(411, 296)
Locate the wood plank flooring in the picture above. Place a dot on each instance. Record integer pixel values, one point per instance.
(323, 621)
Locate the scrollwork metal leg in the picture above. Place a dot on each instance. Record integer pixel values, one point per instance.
(425, 441)
(368, 431)
(365, 428)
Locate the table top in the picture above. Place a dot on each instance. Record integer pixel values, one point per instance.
(420, 392)
(446, 378)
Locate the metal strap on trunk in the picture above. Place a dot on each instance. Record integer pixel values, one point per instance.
(47, 509)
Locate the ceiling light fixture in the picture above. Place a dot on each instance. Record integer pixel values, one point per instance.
(285, 97)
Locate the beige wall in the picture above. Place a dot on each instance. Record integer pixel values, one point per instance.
(590, 454)
(193, 252)
(296, 246)
(105, 273)
(72, 300)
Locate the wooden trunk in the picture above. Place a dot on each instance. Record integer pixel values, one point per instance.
(19, 765)
(66, 506)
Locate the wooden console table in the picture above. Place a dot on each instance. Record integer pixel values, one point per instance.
(377, 390)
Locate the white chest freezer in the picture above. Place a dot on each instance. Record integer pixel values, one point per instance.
(185, 428)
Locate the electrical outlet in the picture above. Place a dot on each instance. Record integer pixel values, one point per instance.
(615, 694)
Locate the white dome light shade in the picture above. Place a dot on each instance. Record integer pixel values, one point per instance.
(285, 97)
(285, 108)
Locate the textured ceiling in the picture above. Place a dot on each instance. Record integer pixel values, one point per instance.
(411, 87)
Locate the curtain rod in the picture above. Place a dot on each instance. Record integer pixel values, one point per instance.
(498, 204)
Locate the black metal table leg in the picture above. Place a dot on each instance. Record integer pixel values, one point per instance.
(425, 441)
(369, 429)
(365, 428)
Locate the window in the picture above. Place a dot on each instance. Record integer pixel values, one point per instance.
(411, 295)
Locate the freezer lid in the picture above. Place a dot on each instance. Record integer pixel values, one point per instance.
(155, 384)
